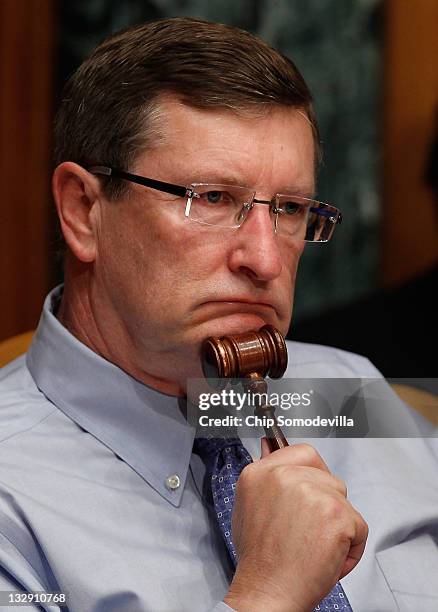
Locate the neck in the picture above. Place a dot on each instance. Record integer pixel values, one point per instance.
(83, 314)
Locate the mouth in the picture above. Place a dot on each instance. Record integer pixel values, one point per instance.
(221, 308)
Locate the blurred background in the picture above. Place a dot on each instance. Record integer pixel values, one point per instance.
(372, 67)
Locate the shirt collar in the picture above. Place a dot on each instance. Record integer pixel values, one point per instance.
(142, 426)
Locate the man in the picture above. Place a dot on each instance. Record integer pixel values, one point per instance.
(102, 497)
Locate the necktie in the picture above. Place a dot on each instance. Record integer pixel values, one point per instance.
(225, 458)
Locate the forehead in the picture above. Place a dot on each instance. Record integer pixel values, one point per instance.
(273, 150)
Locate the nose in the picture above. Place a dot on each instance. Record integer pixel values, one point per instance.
(255, 248)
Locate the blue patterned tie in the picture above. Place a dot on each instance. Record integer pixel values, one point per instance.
(225, 458)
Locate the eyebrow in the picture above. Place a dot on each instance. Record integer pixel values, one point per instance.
(304, 191)
(220, 178)
(225, 178)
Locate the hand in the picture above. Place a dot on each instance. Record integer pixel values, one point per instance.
(294, 530)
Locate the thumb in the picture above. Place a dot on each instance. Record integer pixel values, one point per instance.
(265, 448)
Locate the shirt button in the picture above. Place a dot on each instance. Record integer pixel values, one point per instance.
(173, 482)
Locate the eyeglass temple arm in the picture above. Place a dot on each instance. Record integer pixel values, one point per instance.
(177, 190)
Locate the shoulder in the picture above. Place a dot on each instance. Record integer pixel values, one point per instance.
(22, 408)
(325, 361)
(22, 404)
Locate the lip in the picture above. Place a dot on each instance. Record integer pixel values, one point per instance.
(236, 306)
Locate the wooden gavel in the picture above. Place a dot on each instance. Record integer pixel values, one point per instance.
(250, 357)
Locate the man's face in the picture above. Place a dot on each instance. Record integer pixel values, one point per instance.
(170, 282)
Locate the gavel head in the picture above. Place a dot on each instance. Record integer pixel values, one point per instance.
(263, 353)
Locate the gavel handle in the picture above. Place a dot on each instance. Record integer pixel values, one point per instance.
(255, 383)
(274, 435)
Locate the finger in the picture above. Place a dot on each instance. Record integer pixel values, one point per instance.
(324, 480)
(298, 454)
(265, 450)
(357, 546)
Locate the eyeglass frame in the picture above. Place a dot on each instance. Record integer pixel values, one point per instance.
(190, 193)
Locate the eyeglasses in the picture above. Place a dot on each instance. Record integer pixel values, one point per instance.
(228, 206)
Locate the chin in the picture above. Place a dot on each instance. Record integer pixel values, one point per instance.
(233, 325)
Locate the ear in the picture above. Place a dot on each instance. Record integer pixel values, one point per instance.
(76, 193)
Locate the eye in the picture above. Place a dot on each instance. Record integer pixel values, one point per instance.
(291, 208)
(214, 196)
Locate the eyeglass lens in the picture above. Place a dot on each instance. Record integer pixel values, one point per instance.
(294, 216)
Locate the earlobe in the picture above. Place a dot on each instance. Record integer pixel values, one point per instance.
(76, 194)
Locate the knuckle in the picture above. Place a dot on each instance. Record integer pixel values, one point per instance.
(282, 473)
(309, 455)
(307, 490)
(247, 474)
(335, 510)
(363, 525)
(341, 485)
(252, 474)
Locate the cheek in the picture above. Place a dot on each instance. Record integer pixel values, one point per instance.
(124, 249)
(194, 250)
(165, 263)
(291, 257)
(291, 254)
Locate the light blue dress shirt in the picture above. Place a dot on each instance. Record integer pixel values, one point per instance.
(96, 488)
(101, 497)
